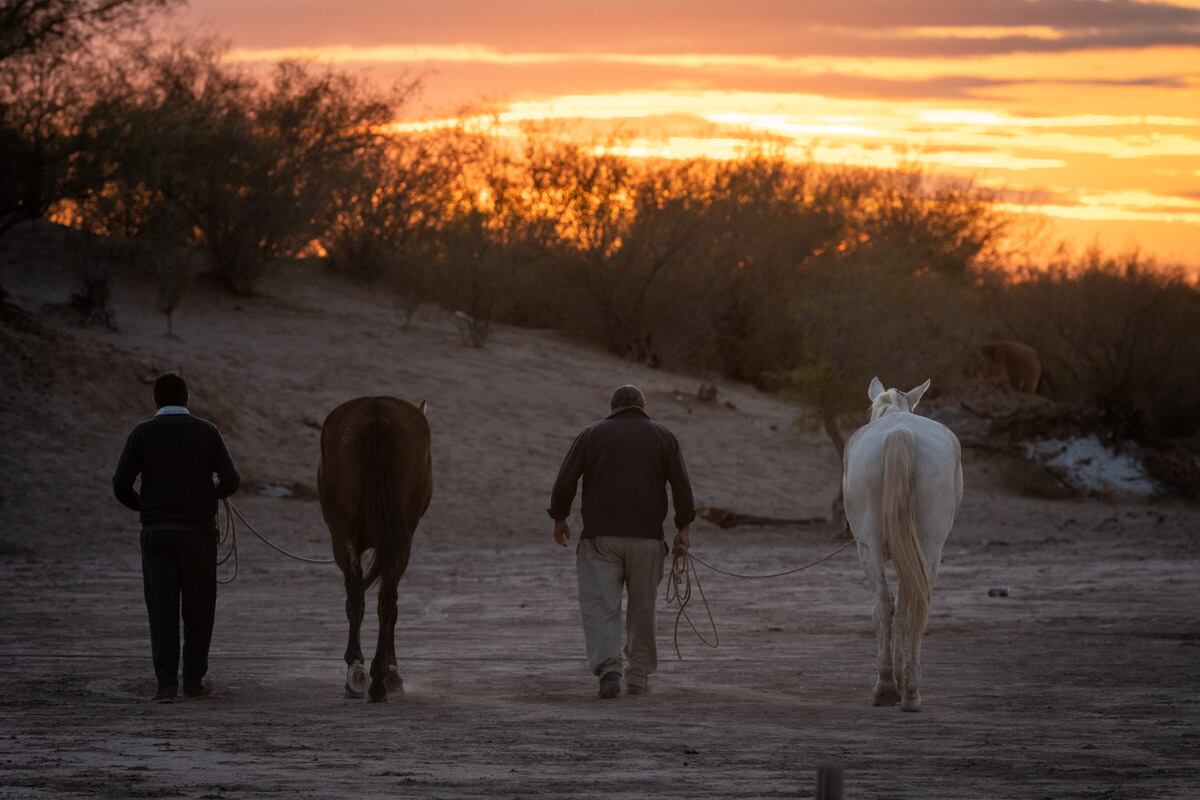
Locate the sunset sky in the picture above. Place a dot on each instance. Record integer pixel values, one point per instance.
(1086, 111)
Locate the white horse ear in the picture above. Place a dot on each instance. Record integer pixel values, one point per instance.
(916, 394)
(875, 389)
(424, 408)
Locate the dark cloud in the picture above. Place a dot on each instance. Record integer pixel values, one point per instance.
(783, 27)
(810, 42)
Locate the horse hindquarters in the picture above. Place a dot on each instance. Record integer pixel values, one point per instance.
(912, 570)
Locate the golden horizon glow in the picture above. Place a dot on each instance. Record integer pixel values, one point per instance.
(890, 128)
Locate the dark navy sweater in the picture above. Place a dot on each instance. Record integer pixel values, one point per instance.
(176, 455)
(626, 460)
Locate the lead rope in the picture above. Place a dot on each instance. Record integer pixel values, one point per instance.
(229, 534)
(679, 590)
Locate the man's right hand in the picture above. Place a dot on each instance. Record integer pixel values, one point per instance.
(683, 540)
(562, 531)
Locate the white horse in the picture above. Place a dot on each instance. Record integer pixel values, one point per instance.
(902, 480)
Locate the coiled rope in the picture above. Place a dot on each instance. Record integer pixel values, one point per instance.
(679, 590)
(229, 529)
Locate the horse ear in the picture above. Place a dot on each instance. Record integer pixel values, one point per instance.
(424, 408)
(875, 389)
(916, 394)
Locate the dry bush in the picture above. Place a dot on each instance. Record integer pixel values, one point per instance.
(1117, 334)
(850, 320)
(56, 27)
(92, 271)
(385, 224)
(253, 164)
(47, 48)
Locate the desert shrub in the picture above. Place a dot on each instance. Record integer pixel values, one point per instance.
(385, 224)
(91, 269)
(252, 163)
(848, 320)
(56, 27)
(1114, 333)
(472, 274)
(47, 56)
(40, 102)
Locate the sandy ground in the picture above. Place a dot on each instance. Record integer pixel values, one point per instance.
(1080, 683)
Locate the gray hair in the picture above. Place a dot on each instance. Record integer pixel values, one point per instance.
(627, 395)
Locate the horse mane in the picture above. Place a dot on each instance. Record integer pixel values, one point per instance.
(891, 400)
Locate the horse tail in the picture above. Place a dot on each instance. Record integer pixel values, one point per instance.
(385, 527)
(900, 530)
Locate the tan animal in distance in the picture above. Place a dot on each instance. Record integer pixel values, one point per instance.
(375, 481)
(1017, 363)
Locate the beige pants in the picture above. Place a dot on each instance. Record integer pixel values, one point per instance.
(606, 566)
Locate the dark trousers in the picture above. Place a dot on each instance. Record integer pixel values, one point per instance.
(180, 565)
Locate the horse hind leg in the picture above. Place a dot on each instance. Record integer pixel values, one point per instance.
(391, 677)
(384, 673)
(908, 648)
(907, 660)
(356, 674)
(885, 692)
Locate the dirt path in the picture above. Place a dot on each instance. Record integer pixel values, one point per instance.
(1080, 683)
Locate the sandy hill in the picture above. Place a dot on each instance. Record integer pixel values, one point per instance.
(267, 369)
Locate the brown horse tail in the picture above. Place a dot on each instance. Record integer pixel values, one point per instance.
(386, 529)
(900, 530)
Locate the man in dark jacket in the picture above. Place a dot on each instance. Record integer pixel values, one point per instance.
(625, 461)
(177, 455)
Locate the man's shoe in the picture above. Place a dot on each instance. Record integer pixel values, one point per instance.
(610, 685)
(202, 689)
(164, 696)
(637, 688)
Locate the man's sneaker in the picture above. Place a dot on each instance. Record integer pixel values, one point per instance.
(164, 696)
(202, 689)
(610, 685)
(637, 688)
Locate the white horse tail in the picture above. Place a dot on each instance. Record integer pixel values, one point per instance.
(900, 530)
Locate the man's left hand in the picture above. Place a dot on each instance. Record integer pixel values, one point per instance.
(562, 531)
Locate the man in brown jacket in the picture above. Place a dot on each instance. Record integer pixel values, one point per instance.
(626, 460)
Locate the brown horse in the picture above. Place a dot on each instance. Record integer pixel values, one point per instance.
(1015, 363)
(375, 480)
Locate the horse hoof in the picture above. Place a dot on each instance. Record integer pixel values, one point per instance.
(911, 701)
(392, 681)
(885, 694)
(356, 680)
(377, 697)
(353, 695)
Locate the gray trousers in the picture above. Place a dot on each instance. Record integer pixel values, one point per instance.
(607, 565)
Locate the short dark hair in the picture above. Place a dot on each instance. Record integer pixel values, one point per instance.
(170, 389)
(626, 396)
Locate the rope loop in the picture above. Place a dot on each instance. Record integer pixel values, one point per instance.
(679, 590)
